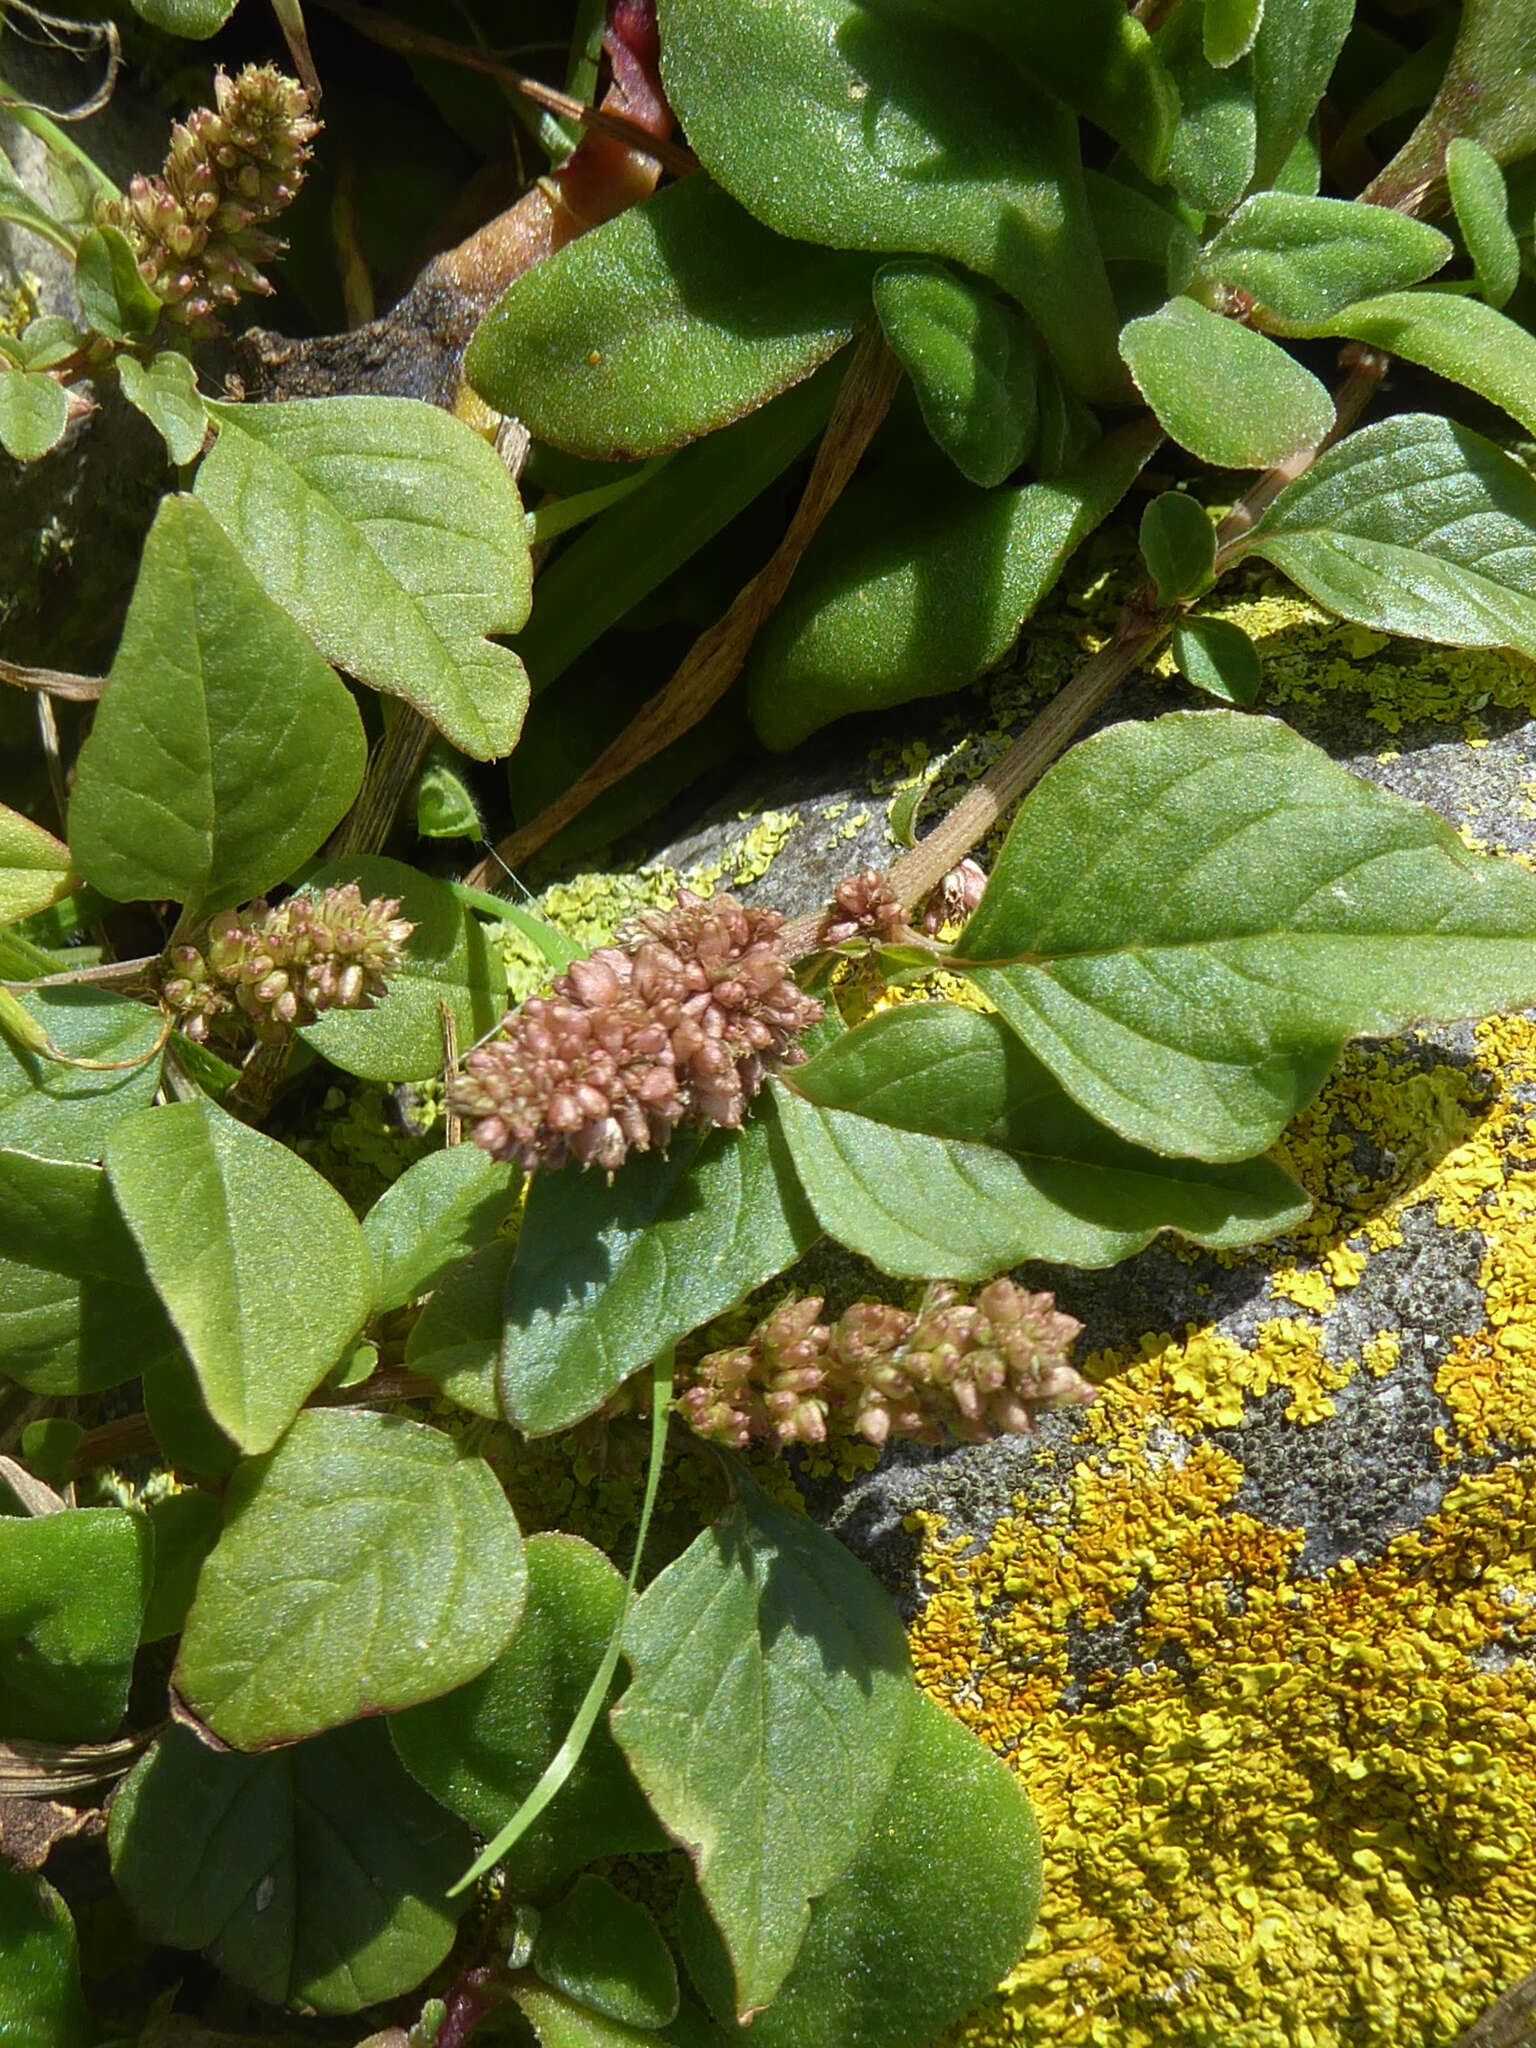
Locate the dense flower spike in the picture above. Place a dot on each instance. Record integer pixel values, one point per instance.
(863, 907)
(679, 1020)
(196, 230)
(284, 966)
(966, 1370)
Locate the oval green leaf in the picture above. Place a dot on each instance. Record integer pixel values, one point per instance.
(1178, 545)
(439, 1210)
(605, 1952)
(366, 1565)
(1458, 338)
(972, 364)
(1305, 259)
(1291, 62)
(165, 390)
(73, 1588)
(1217, 656)
(1481, 200)
(33, 413)
(63, 1112)
(1227, 394)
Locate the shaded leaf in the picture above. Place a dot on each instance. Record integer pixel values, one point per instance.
(764, 1645)
(1481, 200)
(1178, 545)
(65, 1112)
(1202, 911)
(35, 868)
(456, 1340)
(1414, 525)
(1291, 62)
(1134, 227)
(1227, 394)
(40, 1995)
(440, 1209)
(930, 1141)
(196, 19)
(1305, 259)
(366, 1564)
(607, 1275)
(482, 1748)
(972, 364)
(185, 1527)
(394, 536)
(34, 412)
(1210, 164)
(165, 390)
(114, 298)
(671, 320)
(839, 123)
(605, 1952)
(72, 1591)
(259, 1262)
(317, 1874)
(1487, 92)
(1216, 656)
(223, 749)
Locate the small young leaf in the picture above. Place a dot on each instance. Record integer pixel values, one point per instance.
(1414, 525)
(1481, 200)
(605, 1952)
(456, 1340)
(448, 959)
(1228, 29)
(165, 390)
(34, 412)
(445, 804)
(1218, 657)
(195, 19)
(72, 1592)
(558, 2022)
(849, 125)
(972, 363)
(481, 1749)
(224, 749)
(114, 299)
(1202, 910)
(665, 323)
(259, 1262)
(67, 1112)
(1178, 545)
(931, 1142)
(608, 1274)
(40, 1995)
(770, 1701)
(35, 868)
(46, 342)
(366, 1564)
(318, 1874)
(446, 1205)
(1458, 338)
(894, 602)
(394, 536)
(1227, 394)
(954, 1846)
(76, 1305)
(1305, 259)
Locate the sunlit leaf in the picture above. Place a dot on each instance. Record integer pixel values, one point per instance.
(1458, 338)
(1216, 656)
(35, 868)
(1227, 394)
(40, 1995)
(1304, 259)
(1481, 200)
(440, 1209)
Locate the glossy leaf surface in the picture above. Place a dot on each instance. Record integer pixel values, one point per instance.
(1199, 913)
(366, 1564)
(765, 1644)
(1227, 394)
(972, 363)
(439, 1210)
(1458, 338)
(1304, 259)
(931, 1141)
(481, 1748)
(230, 1223)
(394, 536)
(1178, 545)
(607, 1276)
(675, 318)
(72, 1591)
(841, 123)
(318, 1873)
(1414, 525)
(40, 1996)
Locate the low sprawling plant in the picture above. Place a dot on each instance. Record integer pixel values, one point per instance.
(264, 1580)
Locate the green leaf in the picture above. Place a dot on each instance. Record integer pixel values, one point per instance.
(224, 749)
(558, 2022)
(1306, 259)
(165, 390)
(1292, 61)
(1218, 657)
(1227, 394)
(394, 536)
(770, 1700)
(114, 299)
(46, 342)
(1481, 200)
(1202, 910)
(895, 601)
(1458, 338)
(1228, 29)
(608, 1274)
(366, 1564)
(481, 1749)
(73, 1586)
(972, 364)
(1210, 165)
(260, 1263)
(605, 1953)
(190, 1440)
(317, 1875)
(195, 19)
(443, 1207)
(17, 204)
(1134, 227)
(839, 123)
(64, 1112)
(954, 1849)
(448, 960)
(931, 1142)
(445, 804)
(1414, 525)
(456, 1340)
(34, 412)
(185, 1528)
(1178, 544)
(77, 1312)
(671, 320)
(35, 868)
(1487, 92)
(40, 1996)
